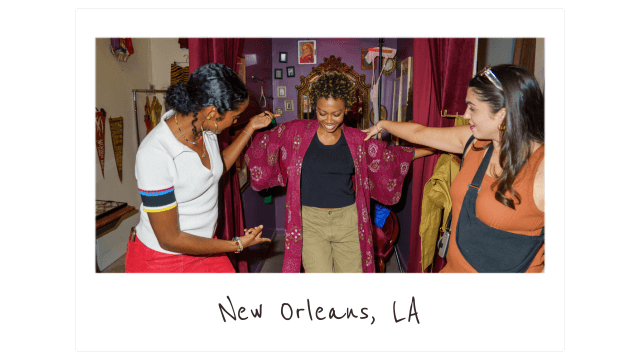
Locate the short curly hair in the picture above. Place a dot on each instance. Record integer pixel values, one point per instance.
(333, 85)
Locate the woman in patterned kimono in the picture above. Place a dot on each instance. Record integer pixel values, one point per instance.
(330, 173)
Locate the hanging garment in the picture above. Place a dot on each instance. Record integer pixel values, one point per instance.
(121, 48)
(436, 198)
(460, 120)
(156, 111)
(387, 53)
(147, 115)
(179, 73)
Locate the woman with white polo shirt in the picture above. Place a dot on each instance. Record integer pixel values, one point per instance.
(178, 166)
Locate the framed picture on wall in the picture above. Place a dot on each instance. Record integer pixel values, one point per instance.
(291, 71)
(288, 105)
(242, 69)
(279, 111)
(406, 70)
(282, 57)
(364, 64)
(306, 52)
(277, 73)
(282, 91)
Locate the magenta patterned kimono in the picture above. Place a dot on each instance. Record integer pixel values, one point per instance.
(276, 155)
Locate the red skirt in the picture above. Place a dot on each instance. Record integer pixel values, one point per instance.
(141, 259)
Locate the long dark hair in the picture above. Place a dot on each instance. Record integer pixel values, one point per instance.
(210, 85)
(524, 103)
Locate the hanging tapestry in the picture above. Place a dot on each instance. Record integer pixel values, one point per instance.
(100, 117)
(116, 139)
(179, 73)
(147, 115)
(121, 48)
(156, 112)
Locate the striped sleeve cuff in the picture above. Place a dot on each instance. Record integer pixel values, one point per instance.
(158, 200)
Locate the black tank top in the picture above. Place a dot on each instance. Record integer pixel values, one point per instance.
(325, 181)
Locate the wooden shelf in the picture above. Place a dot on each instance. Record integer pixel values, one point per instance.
(113, 217)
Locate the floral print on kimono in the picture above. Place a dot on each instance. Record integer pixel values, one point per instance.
(276, 155)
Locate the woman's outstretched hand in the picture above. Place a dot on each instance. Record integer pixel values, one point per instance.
(372, 131)
(262, 120)
(252, 236)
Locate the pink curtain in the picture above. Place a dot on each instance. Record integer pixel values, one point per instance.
(230, 220)
(442, 68)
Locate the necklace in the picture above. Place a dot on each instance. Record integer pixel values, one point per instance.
(185, 138)
(204, 148)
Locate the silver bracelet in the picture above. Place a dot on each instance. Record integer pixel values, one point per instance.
(250, 138)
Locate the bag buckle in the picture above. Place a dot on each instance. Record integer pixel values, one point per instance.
(475, 187)
(443, 244)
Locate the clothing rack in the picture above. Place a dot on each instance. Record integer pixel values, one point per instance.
(135, 106)
(182, 62)
(444, 115)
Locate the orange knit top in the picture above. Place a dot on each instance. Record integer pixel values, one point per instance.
(526, 219)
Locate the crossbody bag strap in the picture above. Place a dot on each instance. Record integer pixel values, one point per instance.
(461, 161)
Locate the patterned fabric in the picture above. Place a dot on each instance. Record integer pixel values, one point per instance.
(156, 112)
(276, 156)
(179, 73)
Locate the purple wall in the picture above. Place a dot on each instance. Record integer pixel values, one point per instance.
(349, 50)
(255, 210)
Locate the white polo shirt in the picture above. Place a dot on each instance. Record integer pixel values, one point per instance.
(169, 175)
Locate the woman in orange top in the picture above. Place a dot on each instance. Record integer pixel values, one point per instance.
(498, 196)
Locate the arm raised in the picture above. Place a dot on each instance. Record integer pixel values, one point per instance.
(449, 139)
(231, 153)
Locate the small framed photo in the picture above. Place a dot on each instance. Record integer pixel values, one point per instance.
(282, 91)
(291, 71)
(288, 105)
(364, 64)
(277, 73)
(283, 57)
(279, 111)
(307, 52)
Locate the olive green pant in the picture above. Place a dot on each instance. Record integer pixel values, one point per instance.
(330, 240)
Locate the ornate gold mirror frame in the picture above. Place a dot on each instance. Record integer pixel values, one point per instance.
(333, 64)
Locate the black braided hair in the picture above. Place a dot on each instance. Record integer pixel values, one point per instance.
(209, 85)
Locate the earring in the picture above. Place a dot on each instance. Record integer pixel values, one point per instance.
(502, 127)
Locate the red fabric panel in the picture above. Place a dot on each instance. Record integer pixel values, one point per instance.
(442, 68)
